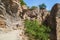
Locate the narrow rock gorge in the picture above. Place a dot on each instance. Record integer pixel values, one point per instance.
(13, 14)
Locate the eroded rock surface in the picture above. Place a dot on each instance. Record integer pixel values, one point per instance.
(55, 22)
(10, 20)
(32, 14)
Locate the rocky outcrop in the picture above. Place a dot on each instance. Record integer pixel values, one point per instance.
(9, 18)
(32, 14)
(55, 22)
(58, 22)
(43, 16)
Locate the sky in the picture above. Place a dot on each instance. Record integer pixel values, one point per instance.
(48, 3)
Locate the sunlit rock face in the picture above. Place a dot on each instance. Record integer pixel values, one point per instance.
(55, 22)
(58, 22)
(10, 20)
(43, 16)
(32, 14)
(10, 9)
(29, 14)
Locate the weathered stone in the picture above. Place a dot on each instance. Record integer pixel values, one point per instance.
(32, 14)
(55, 22)
(9, 19)
(29, 14)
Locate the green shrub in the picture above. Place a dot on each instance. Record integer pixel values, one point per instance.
(33, 7)
(42, 6)
(36, 31)
(22, 2)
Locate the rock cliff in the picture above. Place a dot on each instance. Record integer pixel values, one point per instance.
(10, 20)
(55, 22)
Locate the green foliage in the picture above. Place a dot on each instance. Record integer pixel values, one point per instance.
(28, 7)
(36, 31)
(49, 10)
(33, 7)
(22, 2)
(42, 6)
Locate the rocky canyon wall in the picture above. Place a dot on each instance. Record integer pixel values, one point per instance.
(55, 22)
(10, 20)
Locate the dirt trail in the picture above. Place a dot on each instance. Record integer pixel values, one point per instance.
(12, 35)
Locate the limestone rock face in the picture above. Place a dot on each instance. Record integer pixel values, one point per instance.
(58, 22)
(10, 20)
(55, 22)
(43, 15)
(32, 14)
(10, 11)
